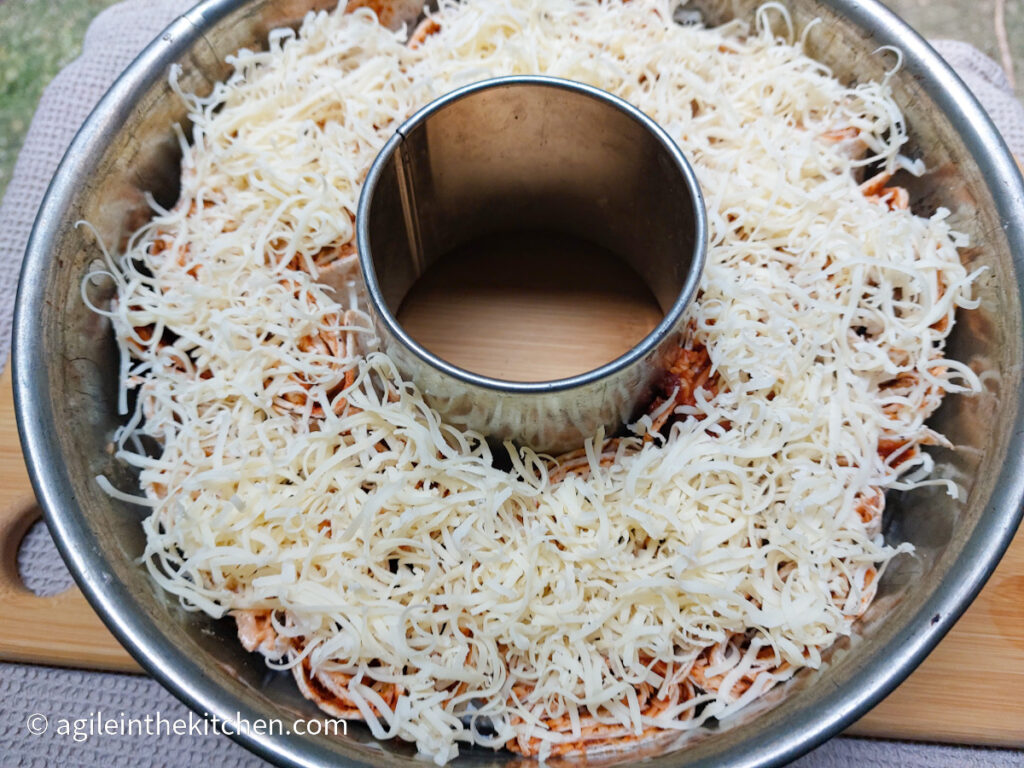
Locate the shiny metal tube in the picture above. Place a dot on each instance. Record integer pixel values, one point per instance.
(531, 154)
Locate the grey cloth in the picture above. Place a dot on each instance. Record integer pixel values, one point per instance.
(113, 40)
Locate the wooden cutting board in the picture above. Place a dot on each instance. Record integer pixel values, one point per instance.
(969, 690)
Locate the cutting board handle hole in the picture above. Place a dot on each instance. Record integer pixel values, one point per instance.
(40, 566)
(24, 536)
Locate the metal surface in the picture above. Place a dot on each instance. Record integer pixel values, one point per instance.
(65, 383)
(532, 154)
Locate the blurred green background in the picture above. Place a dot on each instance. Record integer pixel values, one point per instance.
(38, 37)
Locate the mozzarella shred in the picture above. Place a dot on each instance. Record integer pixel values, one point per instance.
(635, 588)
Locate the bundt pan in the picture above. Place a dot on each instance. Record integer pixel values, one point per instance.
(65, 377)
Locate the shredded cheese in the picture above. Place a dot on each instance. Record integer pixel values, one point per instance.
(299, 477)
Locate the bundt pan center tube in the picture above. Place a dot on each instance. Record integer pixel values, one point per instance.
(532, 154)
